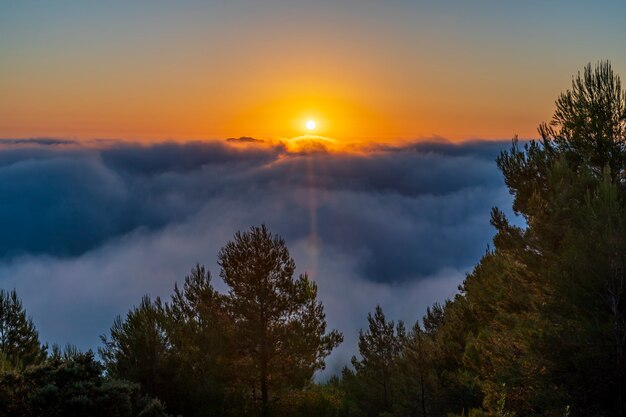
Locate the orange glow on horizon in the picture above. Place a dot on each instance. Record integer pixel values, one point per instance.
(199, 71)
(266, 106)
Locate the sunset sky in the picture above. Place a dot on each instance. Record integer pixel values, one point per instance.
(116, 176)
(364, 70)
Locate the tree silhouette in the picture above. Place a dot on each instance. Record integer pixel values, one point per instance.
(280, 326)
(139, 348)
(19, 340)
(176, 350)
(550, 298)
(72, 385)
(379, 347)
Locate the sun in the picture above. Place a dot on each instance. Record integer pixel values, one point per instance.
(310, 124)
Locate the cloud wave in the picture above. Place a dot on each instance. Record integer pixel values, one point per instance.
(88, 229)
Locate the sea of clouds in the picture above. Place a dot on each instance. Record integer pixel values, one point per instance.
(88, 228)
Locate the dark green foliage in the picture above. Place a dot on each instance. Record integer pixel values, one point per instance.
(428, 380)
(19, 340)
(175, 350)
(539, 328)
(72, 387)
(280, 327)
(413, 380)
(201, 345)
(204, 353)
(138, 348)
(567, 327)
(314, 401)
(549, 299)
(379, 348)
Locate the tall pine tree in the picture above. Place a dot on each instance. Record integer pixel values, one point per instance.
(379, 348)
(280, 327)
(19, 340)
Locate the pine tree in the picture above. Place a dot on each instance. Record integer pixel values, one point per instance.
(19, 340)
(176, 350)
(200, 334)
(550, 297)
(139, 348)
(379, 348)
(280, 326)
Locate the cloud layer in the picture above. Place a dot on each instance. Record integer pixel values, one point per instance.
(88, 229)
